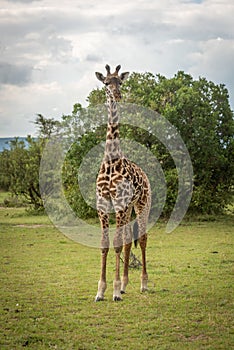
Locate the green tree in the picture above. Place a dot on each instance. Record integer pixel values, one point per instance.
(4, 173)
(81, 133)
(46, 126)
(201, 112)
(20, 165)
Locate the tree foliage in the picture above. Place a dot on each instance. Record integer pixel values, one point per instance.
(20, 164)
(200, 111)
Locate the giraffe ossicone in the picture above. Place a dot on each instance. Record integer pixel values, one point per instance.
(124, 186)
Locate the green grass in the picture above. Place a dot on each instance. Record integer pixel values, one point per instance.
(3, 195)
(48, 285)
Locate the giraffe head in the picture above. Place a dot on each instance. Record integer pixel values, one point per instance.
(113, 82)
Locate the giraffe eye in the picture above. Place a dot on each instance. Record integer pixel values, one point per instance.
(106, 82)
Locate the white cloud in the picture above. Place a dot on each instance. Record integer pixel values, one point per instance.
(14, 74)
(214, 60)
(50, 50)
(20, 103)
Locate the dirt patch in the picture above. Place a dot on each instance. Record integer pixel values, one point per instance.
(193, 338)
(10, 208)
(32, 226)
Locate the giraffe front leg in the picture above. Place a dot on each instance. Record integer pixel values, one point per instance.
(104, 252)
(102, 282)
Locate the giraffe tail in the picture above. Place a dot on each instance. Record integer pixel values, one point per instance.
(135, 233)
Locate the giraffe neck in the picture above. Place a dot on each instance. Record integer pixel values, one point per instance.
(112, 148)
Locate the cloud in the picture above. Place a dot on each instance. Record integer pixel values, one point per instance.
(50, 51)
(14, 74)
(214, 56)
(93, 58)
(24, 102)
(214, 59)
(23, 1)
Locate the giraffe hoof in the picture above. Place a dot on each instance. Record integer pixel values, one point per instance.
(99, 298)
(122, 292)
(115, 298)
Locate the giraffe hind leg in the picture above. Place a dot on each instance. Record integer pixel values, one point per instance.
(135, 233)
(118, 246)
(144, 275)
(124, 283)
(123, 237)
(142, 218)
(127, 241)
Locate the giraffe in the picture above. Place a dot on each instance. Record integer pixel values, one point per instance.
(121, 185)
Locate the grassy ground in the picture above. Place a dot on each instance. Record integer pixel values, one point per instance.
(48, 285)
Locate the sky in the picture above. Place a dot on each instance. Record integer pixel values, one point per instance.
(50, 50)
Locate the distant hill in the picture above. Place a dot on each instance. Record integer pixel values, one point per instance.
(5, 142)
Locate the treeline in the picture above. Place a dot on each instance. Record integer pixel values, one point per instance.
(200, 111)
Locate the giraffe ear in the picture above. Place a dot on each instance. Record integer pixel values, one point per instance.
(100, 76)
(124, 76)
